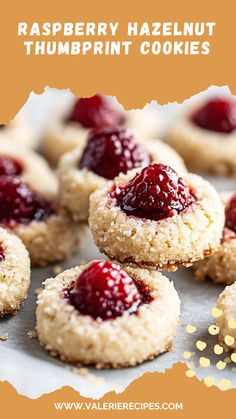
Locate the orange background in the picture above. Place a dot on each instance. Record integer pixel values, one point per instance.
(173, 386)
(135, 80)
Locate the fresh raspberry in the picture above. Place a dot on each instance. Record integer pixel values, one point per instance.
(157, 192)
(113, 151)
(19, 203)
(95, 112)
(105, 290)
(230, 214)
(9, 166)
(217, 115)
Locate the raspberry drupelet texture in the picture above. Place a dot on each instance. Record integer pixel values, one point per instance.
(19, 203)
(113, 151)
(95, 112)
(157, 192)
(217, 115)
(105, 290)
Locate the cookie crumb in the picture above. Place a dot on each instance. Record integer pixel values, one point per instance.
(32, 334)
(38, 290)
(54, 354)
(79, 371)
(57, 269)
(98, 366)
(4, 336)
(94, 378)
(83, 371)
(83, 262)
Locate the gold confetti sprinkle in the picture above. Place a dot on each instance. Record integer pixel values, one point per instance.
(201, 345)
(221, 365)
(190, 365)
(232, 324)
(187, 355)
(213, 329)
(225, 384)
(216, 312)
(233, 357)
(218, 349)
(209, 381)
(190, 373)
(229, 340)
(204, 362)
(190, 328)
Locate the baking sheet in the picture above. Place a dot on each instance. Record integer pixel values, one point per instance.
(33, 372)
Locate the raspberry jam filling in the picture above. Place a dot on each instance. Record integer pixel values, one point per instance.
(113, 151)
(2, 253)
(95, 112)
(9, 166)
(217, 115)
(228, 235)
(156, 193)
(20, 204)
(230, 214)
(106, 291)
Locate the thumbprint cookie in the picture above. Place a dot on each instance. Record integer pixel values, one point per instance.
(221, 267)
(16, 160)
(47, 231)
(14, 272)
(154, 217)
(205, 135)
(107, 315)
(226, 321)
(107, 153)
(70, 127)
